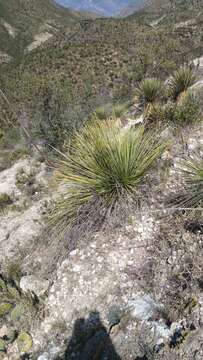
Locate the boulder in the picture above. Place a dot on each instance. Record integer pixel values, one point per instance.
(34, 284)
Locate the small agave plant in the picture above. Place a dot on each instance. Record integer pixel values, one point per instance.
(149, 91)
(192, 195)
(180, 82)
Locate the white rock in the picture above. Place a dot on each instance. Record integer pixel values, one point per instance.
(161, 332)
(44, 356)
(143, 307)
(8, 179)
(32, 283)
(20, 229)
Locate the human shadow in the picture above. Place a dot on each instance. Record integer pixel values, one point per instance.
(90, 340)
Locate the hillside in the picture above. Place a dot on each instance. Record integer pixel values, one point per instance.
(173, 12)
(131, 8)
(100, 62)
(34, 23)
(101, 183)
(103, 7)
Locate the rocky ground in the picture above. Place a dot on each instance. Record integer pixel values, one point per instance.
(109, 293)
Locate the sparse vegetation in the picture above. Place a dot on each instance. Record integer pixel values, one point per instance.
(176, 255)
(79, 80)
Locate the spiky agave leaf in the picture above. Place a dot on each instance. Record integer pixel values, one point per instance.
(193, 174)
(104, 163)
(149, 90)
(181, 80)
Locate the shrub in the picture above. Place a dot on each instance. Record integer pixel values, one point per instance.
(104, 165)
(181, 80)
(187, 110)
(193, 174)
(184, 112)
(169, 111)
(54, 121)
(102, 112)
(119, 110)
(149, 90)
(155, 114)
(107, 111)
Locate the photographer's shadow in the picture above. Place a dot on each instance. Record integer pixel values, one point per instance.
(90, 341)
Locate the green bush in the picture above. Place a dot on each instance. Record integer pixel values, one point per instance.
(108, 110)
(187, 111)
(104, 165)
(154, 115)
(118, 110)
(181, 80)
(149, 90)
(102, 112)
(169, 112)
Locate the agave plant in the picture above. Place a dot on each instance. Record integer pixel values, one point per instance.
(193, 174)
(105, 164)
(149, 90)
(118, 110)
(181, 80)
(154, 114)
(187, 110)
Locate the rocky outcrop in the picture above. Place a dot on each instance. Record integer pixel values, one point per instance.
(21, 222)
(39, 39)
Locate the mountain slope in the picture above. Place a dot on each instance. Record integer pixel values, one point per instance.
(97, 62)
(171, 12)
(132, 8)
(105, 7)
(101, 61)
(40, 18)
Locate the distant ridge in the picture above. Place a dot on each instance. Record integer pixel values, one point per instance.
(34, 23)
(101, 7)
(132, 8)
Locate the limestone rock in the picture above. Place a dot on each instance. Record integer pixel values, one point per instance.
(44, 356)
(143, 308)
(32, 283)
